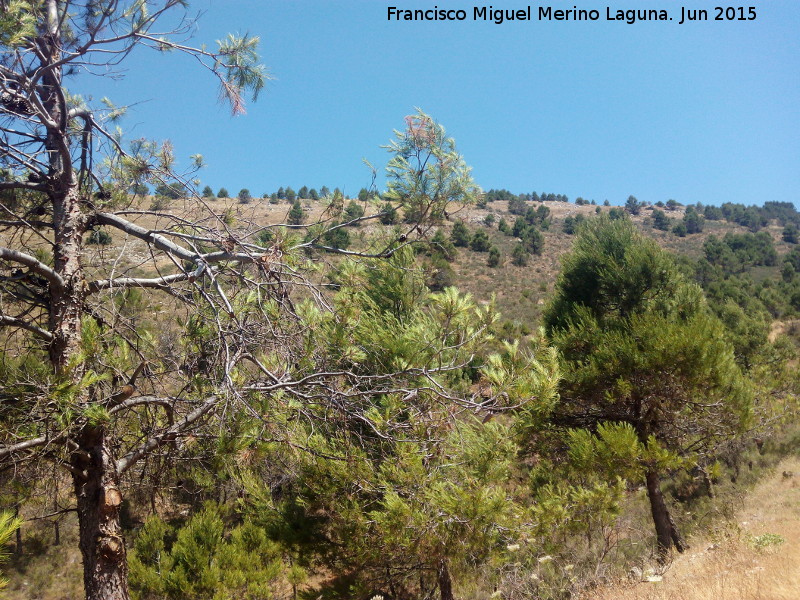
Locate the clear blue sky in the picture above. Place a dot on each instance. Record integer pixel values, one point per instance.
(705, 111)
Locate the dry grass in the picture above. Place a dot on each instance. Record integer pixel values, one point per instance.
(757, 557)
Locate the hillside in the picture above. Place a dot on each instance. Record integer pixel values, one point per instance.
(756, 555)
(520, 291)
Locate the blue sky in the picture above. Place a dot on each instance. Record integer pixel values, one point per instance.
(705, 111)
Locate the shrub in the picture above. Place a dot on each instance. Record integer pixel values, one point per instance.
(460, 235)
(494, 257)
(353, 211)
(296, 215)
(388, 214)
(519, 256)
(99, 237)
(480, 241)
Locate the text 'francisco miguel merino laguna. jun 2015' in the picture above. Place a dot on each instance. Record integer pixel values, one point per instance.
(491, 14)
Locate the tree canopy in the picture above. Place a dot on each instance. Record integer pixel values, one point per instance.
(640, 347)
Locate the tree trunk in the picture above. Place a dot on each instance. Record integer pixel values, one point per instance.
(18, 546)
(66, 305)
(667, 533)
(444, 581)
(105, 571)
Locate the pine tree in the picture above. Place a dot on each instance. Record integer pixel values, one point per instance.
(494, 257)
(415, 501)
(353, 211)
(460, 235)
(388, 214)
(519, 256)
(426, 173)
(480, 241)
(641, 347)
(442, 247)
(296, 215)
(660, 220)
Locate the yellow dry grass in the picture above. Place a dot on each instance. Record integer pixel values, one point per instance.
(746, 561)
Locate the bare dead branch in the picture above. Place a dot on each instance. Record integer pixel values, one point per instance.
(127, 461)
(7, 321)
(33, 264)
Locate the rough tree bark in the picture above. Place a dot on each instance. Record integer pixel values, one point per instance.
(444, 581)
(667, 533)
(96, 480)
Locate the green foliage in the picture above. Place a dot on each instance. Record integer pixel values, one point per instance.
(173, 190)
(17, 23)
(239, 69)
(790, 234)
(480, 241)
(661, 221)
(736, 251)
(140, 189)
(99, 237)
(291, 195)
(223, 193)
(440, 275)
(244, 196)
(388, 214)
(531, 238)
(611, 271)
(494, 257)
(519, 256)
(337, 237)
(442, 247)
(616, 214)
(713, 213)
(426, 173)
(208, 192)
(203, 559)
(296, 215)
(693, 221)
(673, 204)
(680, 229)
(633, 206)
(765, 541)
(8, 525)
(615, 450)
(517, 205)
(460, 235)
(353, 211)
(640, 346)
(571, 223)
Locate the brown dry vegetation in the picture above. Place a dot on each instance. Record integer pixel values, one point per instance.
(520, 292)
(754, 557)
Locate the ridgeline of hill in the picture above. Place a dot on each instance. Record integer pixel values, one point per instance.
(731, 251)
